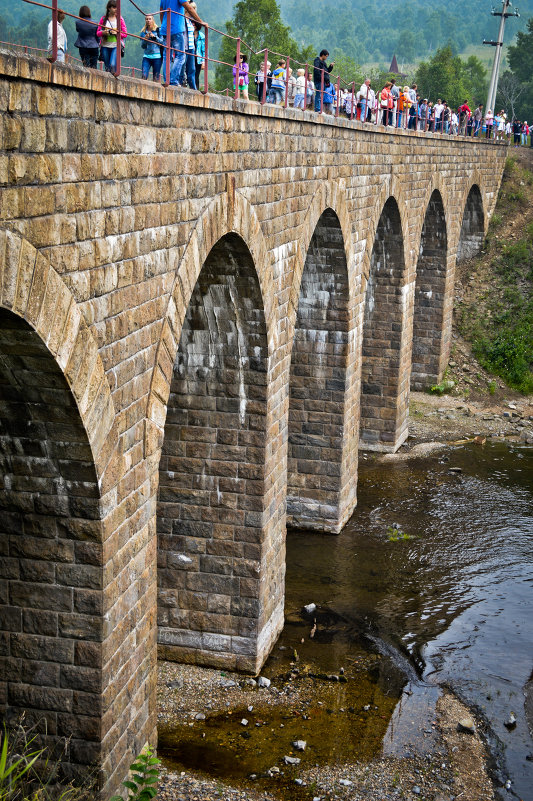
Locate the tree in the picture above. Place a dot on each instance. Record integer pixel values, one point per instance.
(258, 24)
(407, 46)
(520, 57)
(449, 77)
(509, 91)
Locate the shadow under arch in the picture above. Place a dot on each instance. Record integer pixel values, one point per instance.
(384, 369)
(227, 213)
(472, 226)
(322, 443)
(430, 296)
(212, 517)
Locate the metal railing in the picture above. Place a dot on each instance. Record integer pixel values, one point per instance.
(357, 105)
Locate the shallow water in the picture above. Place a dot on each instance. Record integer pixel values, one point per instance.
(450, 604)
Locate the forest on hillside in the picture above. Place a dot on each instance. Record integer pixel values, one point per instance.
(364, 30)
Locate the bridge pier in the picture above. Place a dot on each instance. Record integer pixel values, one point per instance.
(386, 358)
(322, 460)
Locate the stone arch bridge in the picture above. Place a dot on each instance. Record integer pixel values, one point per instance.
(206, 309)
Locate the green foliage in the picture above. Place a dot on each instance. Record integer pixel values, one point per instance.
(12, 769)
(28, 773)
(259, 25)
(395, 534)
(520, 58)
(445, 386)
(451, 78)
(144, 777)
(492, 386)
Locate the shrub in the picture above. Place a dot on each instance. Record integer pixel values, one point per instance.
(144, 776)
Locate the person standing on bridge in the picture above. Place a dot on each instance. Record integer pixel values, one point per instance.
(367, 97)
(177, 35)
(107, 33)
(320, 72)
(87, 43)
(61, 37)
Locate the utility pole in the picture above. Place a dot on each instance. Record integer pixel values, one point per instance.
(493, 86)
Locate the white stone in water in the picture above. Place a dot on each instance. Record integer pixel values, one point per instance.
(244, 722)
(262, 681)
(291, 760)
(467, 725)
(345, 782)
(300, 745)
(310, 608)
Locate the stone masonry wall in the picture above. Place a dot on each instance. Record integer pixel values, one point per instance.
(113, 197)
(429, 296)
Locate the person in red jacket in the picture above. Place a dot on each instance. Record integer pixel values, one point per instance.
(386, 103)
(464, 116)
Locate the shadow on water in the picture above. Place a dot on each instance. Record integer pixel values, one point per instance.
(452, 603)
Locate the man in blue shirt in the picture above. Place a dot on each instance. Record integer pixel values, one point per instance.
(177, 35)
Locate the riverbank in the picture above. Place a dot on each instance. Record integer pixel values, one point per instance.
(441, 763)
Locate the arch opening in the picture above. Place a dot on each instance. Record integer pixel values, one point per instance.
(430, 292)
(318, 382)
(384, 384)
(51, 552)
(212, 469)
(472, 226)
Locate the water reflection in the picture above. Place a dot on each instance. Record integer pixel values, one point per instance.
(457, 597)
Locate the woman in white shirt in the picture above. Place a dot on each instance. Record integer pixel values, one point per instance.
(61, 37)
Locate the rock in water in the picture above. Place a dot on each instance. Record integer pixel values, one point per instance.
(291, 760)
(310, 609)
(244, 722)
(345, 782)
(300, 745)
(467, 725)
(510, 723)
(262, 681)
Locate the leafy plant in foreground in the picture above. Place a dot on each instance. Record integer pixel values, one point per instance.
(143, 780)
(12, 771)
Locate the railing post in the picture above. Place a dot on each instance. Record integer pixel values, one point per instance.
(54, 31)
(167, 48)
(353, 100)
(305, 86)
(338, 95)
(206, 60)
(287, 62)
(265, 70)
(238, 68)
(321, 90)
(119, 41)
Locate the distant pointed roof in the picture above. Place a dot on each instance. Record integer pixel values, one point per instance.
(394, 66)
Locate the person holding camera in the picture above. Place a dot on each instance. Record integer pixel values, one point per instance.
(320, 73)
(151, 44)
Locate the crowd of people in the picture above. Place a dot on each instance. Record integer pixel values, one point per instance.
(392, 106)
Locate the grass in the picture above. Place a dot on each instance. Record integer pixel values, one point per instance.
(498, 320)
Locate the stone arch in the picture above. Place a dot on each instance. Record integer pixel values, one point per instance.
(212, 473)
(385, 365)
(33, 290)
(390, 187)
(227, 213)
(472, 226)
(331, 196)
(53, 460)
(320, 494)
(430, 294)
